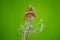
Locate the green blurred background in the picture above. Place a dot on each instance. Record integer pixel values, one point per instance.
(12, 14)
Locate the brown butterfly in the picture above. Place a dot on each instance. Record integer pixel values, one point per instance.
(30, 14)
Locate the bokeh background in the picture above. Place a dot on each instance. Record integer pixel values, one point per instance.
(12, 15)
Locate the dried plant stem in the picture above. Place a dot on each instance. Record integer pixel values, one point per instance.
(26, 33)
(26, 36)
